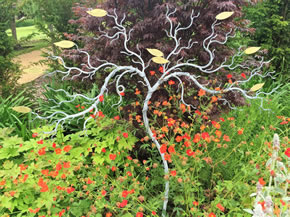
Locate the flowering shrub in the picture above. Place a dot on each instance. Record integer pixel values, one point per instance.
(173, 71)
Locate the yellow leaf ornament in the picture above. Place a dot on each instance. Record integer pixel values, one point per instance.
(160, 60)
(257, 87)
(22, 109)
(224, 15)
(155, 52)
(98, 12)
(64, 44)
(252, 50)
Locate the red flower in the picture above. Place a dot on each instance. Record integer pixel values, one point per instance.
(220, 207)
(45, 172)
(178, 139)
(40, 142)
(171, 82)
(114, 168)
(189, 152)
(161, 69)
(196, 138)
(171, 149)
(112, 156)
(173, 172)
(229, 76)
(139, 214)
(70, 190)
(34, 135)
(44, 188)
(152, 73)
(129, 173)
(205, 135)
(101, 98)
(287, 152)
(53, 145)
(125, 193)
(103, 150)
(243, 75)
(195, 203)
(262, 182)
(67, 148)
(23, 167)
(58, 166)
(103, 192)
(66, 165)
(122, 94)
(227, 138)
(57, 151)
(125, 135)
(89, 181)
(201, 92)
(211, 215)
(153, 213)
(41, 151)
(222, 119)
(124, 203)
(163, 149)
(117, 117)
(197, 112)
(241, 131)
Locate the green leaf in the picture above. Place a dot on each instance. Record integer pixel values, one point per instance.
(8, 164)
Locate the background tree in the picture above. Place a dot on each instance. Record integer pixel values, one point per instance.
(9, 71)
(271, 19)
(51, 17)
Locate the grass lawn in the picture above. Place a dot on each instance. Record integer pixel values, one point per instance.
(23, 32)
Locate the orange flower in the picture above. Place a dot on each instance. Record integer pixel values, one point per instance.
(163, 149)
(101, 98)
(262, 182)
(195, 203)
(241, 131)
(201, 92)
(173, 172)
(112, 156)
(214, 99)
(67, 148)
(137, 92)
(164, 129)
(171, 149)
(57, 151)
(227, 138)
(211, 215)
(178, 138)
(122, 94)
(152, 72)
(196, 138)
(220, 207)
(218, 133)
(139, 214)
(171, 82)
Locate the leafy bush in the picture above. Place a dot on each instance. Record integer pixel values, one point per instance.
(271, 19)
(9, 71)
(25, 23)
(21, 123)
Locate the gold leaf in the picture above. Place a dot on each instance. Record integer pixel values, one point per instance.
(65, 44)
(22, 109)
(252, 50)
(224, 15)
(155, 52)
(97, 12)
(159, 60)
(257, 87)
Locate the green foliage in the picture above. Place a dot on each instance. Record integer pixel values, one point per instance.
(24, 23)
(9, 71)
(271, 20)
(21, 123)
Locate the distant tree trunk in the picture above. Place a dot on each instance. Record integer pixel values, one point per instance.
(13, 27)
(50, 27)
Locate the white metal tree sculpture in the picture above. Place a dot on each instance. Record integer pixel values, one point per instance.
(171, 71)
